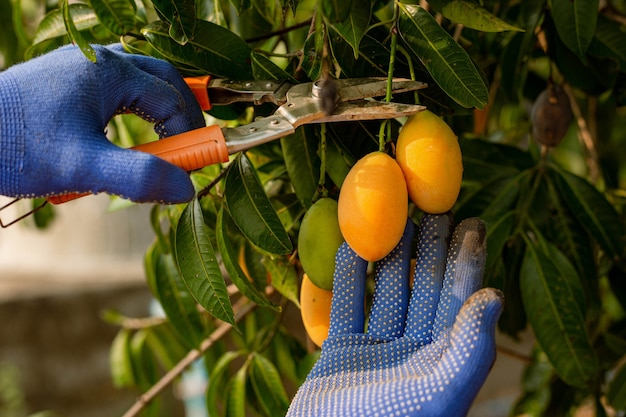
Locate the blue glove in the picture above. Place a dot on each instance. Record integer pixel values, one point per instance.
(426, 352)
(54, 110)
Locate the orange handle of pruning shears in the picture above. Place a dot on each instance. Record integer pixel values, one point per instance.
(191, 150)
(199, 87)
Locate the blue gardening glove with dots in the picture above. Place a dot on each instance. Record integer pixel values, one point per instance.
(54, 110)
(426, 351)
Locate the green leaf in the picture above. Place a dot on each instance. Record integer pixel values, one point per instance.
(575, 22)
(230, 259)
(219, 372)
(373, 58)
(165, 345)
(214, 49)
(616, 394)
(284, 278)
(143, 360)
(53, 25)
(178, 304)
(609, 41)
(120, 361)
(198, 265)
(513, 60)
(181, 15)
(236, 393)
(498, 231)
(472, 15)
(338, 161)
(446, 61)
(264, 68)
(302, 162)
(75, 35)
(118, 16)
(268, 386)
(591, 209)
(354, 26)
(339, 10)
(251, 209)
(552, 305)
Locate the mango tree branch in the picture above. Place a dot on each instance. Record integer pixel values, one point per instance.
(242, 307)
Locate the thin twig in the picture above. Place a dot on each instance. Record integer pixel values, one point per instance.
(279, 32)
(516, 355)
(242, 307)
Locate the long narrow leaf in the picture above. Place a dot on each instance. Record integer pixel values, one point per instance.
(354, 26)
(591, 209)
(75, 34)
(178, 304)
(181, 14)
(214, 49)
(302, 162)
(198, 264)
(575, 22)
(251, 209)
(120, 362)
(448, 63)
(116, 15)
(558, 322)
(231, 264)
(268, 386)
(472, 15)
(236, 400)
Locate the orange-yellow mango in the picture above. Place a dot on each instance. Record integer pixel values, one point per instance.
(429, 154)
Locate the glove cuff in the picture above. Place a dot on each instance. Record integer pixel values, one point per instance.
(12, 143)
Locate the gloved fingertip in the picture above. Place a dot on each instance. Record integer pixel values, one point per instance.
(481, 310)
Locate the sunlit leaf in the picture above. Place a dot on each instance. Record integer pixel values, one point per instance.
(53, 26)
(120, 362)
(354, 26)
(551, 303)
(472, 15)
(179, 306)
(236, 393)
(284, 278)
(591, 209)
(230, 259)
(75, 35)
(302, 162)
(214, 49)
(116, 15)
(268, 386)
(217, 381)
(575, 22)
(251, 209)
(447, 62)
(181, 14)
(144, 362)
(198, 264)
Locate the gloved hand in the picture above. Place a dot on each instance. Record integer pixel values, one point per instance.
(53, 114)
(426, 352)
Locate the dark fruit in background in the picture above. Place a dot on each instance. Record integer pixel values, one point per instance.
(551, 116)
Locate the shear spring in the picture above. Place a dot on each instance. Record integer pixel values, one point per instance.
(21, 217)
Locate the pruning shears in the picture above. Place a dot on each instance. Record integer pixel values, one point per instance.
(297, 104)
